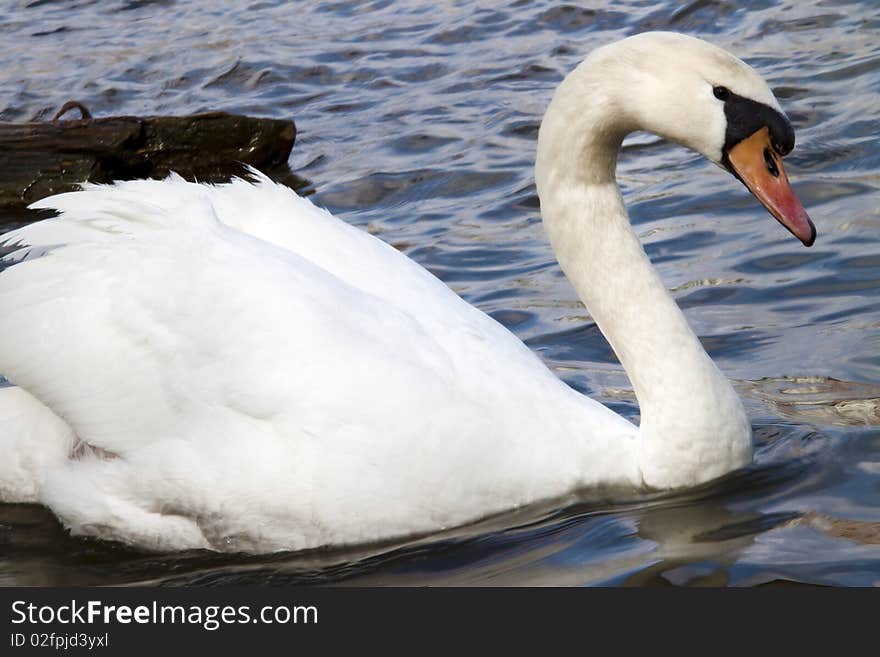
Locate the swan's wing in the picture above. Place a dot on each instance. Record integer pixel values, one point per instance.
(134, 321)
(147, 276)
(266, 210)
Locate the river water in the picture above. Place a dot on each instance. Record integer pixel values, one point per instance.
(417, 121)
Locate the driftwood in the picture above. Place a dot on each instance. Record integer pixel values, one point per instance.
(39, 159)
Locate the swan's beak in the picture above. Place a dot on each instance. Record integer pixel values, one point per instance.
(757, 164)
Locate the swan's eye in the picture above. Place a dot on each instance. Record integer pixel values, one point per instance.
(721, 93)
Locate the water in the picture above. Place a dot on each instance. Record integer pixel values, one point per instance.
(417, 121)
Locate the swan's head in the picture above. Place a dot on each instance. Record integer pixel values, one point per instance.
(701, 96)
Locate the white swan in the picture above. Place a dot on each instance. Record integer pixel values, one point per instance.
(233, 368)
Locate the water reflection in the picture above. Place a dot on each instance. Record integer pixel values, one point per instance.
(821, 400)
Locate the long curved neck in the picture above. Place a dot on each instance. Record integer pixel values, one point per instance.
(686, 404)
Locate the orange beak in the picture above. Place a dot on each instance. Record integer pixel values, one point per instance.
(757, 164)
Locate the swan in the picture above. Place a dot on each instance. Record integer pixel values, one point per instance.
(232, 368)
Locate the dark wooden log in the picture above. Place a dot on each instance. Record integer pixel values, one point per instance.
(39, 159)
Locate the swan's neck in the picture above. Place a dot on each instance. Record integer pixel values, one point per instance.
(693, 426)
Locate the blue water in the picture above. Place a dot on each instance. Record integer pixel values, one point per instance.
(417, 121)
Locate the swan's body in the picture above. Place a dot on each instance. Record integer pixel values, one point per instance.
(233, 368)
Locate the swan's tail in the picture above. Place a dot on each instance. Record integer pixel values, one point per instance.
(42, 461)
(32, 440)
